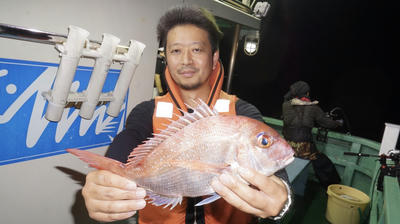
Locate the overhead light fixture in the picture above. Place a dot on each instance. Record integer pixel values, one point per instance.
(261, 9)
(251, 43)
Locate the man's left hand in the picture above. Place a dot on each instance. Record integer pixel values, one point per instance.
(265, 197)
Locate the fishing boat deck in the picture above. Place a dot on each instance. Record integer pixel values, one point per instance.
(307, 209)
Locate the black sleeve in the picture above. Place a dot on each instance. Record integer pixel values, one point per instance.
(244, 108)
(139, 126)
(323, 120)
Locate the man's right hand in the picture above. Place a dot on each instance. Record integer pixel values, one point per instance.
(110, 197)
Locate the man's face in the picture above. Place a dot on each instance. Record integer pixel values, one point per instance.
(189, 56)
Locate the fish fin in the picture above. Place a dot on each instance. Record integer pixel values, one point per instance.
(208, 200)
(99, 162)
(201, 166)
(202, 110)
(159, 200)
(141, 152)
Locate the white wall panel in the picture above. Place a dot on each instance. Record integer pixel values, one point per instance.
(45, 190)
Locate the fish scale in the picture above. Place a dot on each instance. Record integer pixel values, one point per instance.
(182, 160)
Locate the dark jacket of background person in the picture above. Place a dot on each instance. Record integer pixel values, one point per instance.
(300, 115)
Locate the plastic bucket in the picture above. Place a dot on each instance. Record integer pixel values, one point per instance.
(345, 204)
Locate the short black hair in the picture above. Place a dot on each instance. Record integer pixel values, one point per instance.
(189, 15)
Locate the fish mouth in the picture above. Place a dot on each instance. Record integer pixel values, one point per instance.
(287, 160)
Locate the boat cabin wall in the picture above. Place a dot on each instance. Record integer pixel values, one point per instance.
(40, 182)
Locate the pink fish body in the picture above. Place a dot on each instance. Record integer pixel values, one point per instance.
(181, 160)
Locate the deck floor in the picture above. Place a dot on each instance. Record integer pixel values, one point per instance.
(311, 207)
(307, 209)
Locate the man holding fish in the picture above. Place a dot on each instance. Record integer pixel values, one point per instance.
(200, 150)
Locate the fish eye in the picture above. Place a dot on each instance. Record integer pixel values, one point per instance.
(263, 140)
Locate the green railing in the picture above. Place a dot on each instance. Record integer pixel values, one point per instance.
(358, 172)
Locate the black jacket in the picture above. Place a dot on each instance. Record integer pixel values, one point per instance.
(299, 117)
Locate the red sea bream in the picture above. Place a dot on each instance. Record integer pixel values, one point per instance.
(181, 160)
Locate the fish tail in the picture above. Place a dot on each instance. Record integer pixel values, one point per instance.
(99, 162)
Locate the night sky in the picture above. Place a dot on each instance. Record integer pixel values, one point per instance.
(341, 48)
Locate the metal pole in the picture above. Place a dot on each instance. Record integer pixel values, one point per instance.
(43, 37)
(235, 44)
(33, 35)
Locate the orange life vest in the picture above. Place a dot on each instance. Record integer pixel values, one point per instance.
(167, 105)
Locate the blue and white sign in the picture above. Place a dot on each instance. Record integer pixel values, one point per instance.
(25, 133)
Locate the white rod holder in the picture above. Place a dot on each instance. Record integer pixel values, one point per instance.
(72, 47)
(104, 60)
(132, 58)
(71, 52)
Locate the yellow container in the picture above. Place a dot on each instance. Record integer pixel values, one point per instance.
(345, 204)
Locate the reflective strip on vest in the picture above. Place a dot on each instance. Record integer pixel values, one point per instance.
(222, 105)
(164, 109)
